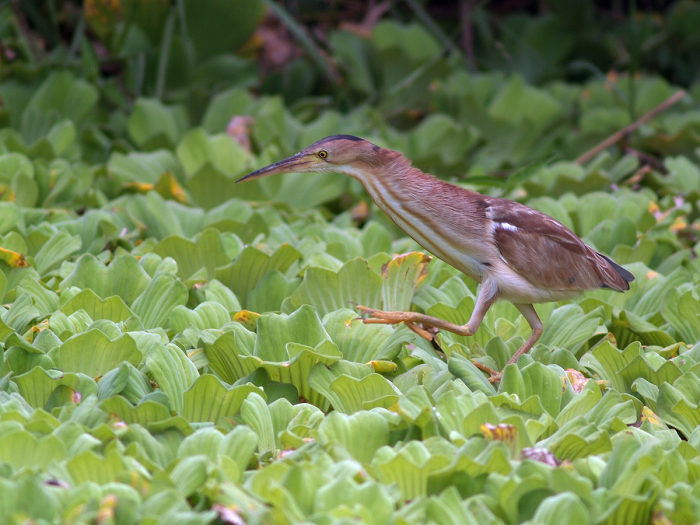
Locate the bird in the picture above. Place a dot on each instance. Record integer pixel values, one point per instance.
(515, 252)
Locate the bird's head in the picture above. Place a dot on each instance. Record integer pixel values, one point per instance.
(337, 153)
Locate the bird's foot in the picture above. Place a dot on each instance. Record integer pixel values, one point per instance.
(408, 318)
(425, 326)
(387, 317)
(495, 376)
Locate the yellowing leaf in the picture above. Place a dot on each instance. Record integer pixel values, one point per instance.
(14, 259)
(139, 187)
(402, 275)
(383, 367)
(652, 418)
(577, 379)
(170, 188)
(502, 432)
(247, 318)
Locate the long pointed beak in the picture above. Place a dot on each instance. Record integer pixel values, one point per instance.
(295, 163)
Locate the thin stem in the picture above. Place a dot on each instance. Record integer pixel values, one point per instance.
(77, 37)
(165, 53)
(465, 11)
(300, 33)
(140, 72)
(616, 137)
(634, 51)
(24, 31)
(446, 41)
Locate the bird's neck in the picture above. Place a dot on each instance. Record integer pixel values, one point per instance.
(404, 193)
(443, 218)
(394, 184)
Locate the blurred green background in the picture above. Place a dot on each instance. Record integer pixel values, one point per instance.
(178, 348)
(478, 68)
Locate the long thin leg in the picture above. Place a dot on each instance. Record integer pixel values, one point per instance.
(486, 297)
(533, 319)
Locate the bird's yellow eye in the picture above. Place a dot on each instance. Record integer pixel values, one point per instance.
(322, 154)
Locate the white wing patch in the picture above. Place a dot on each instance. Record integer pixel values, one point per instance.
(505, 226)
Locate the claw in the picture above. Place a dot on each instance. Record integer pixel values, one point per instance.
(372, 320)
(425, 334)
(365, 309)
(495, 376)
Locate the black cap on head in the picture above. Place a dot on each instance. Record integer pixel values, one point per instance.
(337, 137)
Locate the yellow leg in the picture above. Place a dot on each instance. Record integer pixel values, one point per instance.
(484, 302)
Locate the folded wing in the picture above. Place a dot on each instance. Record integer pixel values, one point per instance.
(547, 253)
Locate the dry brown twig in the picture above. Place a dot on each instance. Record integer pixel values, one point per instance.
(616, 137)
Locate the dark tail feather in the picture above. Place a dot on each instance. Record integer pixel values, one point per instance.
(625, 274)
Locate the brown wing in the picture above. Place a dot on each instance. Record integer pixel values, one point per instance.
(547, 253)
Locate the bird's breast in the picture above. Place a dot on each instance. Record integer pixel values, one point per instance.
(448, 226)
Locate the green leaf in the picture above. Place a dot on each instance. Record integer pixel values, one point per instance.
(410, 467)
(124, 277)
(537, 380)
(252, 265)
(270, 292)
(474, 378)
(112, 308)
(218, 293)
(565, 508)
(360, 434)
(54, 251)
(91, 467)
(683, 312)
(21, 449)
(296, 371)
(608, 361)
(275, 331)
(197, 149)
(141, 167)
(361, 342)
(678, 405)
(209, 30)
(210, 188)
(363, 390)
(206, 315)
(210, 400)
(92, 353)
(239, 445)
(207, 251)
(189, 474)
(402, 274)
(328, 291)
(160, 297)
(126, 381)
(37, 385)
(153, 125)
(173, 371)
(568, 326)
(60, 96)
(45, 301)
(227, 355)
(145, 413)
(21, 313)
(256, 414)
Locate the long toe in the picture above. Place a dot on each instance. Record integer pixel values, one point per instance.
(496, 378)
(425, 334)
(373, 320)
(396, 317)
